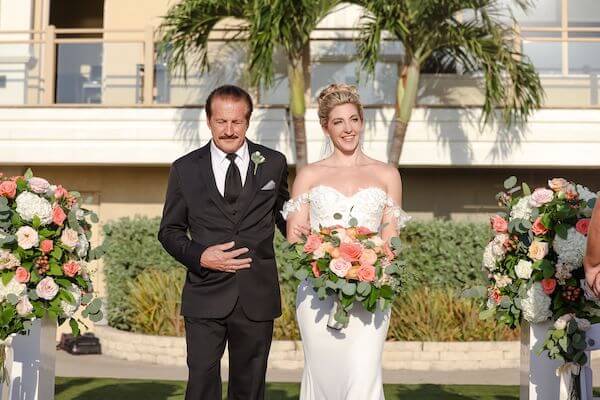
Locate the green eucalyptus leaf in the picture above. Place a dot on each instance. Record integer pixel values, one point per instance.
(510, 182)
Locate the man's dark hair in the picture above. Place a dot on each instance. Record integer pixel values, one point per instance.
(231, 92)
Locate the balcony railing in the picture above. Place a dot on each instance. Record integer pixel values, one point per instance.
(121, 68)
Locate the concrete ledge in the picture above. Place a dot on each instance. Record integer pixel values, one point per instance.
(416, 356)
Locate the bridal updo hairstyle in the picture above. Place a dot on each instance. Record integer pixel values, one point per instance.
(334, 95)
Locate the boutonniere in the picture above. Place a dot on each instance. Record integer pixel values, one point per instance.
(257, 159)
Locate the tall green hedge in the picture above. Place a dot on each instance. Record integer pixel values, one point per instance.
(131, 247)
(437, 253)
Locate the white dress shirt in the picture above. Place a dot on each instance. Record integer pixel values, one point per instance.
(220, 163)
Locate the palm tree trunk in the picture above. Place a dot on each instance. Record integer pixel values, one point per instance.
(298, 109)
(406, 95)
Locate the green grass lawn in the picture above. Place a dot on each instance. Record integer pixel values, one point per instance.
(116, 389)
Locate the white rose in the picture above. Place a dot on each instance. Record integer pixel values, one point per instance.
(502, 280)
(38, 185)
(536, 304)
(30, 205)
(24, 306)
(69, 238)
(523, 269)
(27, 237)
(47, 289)
(68, 308)
(561, 322)
(583, 324)
(8, 260)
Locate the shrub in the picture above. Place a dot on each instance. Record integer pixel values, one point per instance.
(155, 302)
(131, 247)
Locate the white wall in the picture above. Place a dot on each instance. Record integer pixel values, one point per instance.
(157, 136)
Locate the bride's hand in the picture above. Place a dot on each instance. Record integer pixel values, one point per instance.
(301, 229)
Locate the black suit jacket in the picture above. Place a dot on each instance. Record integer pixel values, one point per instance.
(196, 216)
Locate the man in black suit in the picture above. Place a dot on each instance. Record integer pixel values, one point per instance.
(222, 204)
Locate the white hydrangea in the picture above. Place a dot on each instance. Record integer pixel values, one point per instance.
(536, 304)
(30, 205)
(82, 246)
(563, 272)
(68, 308)
(13, 287)
(494, 252)
(522, 209)
(570, 250)
(587, 195)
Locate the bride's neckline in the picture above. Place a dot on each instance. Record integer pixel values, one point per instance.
(376, 188)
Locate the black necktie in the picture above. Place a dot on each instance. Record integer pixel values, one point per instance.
(233, 181)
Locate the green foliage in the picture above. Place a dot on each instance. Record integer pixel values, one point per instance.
(443, 253)
(155, 301)
(132, 246)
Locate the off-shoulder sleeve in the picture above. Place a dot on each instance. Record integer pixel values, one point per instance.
(293, 205)
(397, 213)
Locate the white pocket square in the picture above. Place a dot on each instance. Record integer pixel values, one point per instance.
(268, 186)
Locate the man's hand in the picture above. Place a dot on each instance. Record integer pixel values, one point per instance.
(220, 257)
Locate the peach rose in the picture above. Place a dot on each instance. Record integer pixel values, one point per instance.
(324, 248)
(353, 272)
(538, 227)
(368, 257)
(8, 189)
(60, 192)
(571, 192)
(58, 215)
(313, 242)
(351, 251)
(538, 250)
(71, 268)
(557, 184)
(340, 267)
(549, 285)
(366, 273)
(46, 246)
(499, 224)
(582, 226)
(361, 230)
(22, 275)
(315, 269)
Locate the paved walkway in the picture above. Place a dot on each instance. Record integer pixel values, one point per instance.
(107, 367)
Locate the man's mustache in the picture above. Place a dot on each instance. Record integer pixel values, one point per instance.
(229, 137)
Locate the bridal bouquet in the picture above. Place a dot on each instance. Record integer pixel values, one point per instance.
(534, 261)
(44, 255)
(352, 264)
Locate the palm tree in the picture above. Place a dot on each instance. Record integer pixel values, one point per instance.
(470, 33)
(270, 24)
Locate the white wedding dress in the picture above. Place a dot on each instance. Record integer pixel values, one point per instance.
(342, 364)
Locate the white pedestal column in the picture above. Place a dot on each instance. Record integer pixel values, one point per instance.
(32, 370)
(538, 373)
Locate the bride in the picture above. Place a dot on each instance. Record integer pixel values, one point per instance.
(343, 364)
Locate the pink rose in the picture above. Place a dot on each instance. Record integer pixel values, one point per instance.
(313, 242)
(71, 268)
(22, 275)
(60, 192)
(27, 237)
(69, 238)
(583, 226)
(495, 296)
(340, 267)
(361, 230)
(499, 224)
(368, 257)
(46, 246)
(315, 269)
(38, 185)
(8, 189)
(541, 196)
(366, 273)
(58, 215)
(46, 288)
(24, 306)
(549, 285)
(351, 251)
(538, 227)
(558, 184)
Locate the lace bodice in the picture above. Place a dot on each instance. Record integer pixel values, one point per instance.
(367, 205)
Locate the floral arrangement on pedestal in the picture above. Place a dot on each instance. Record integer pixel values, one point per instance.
(44, 254)
(534, 263)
